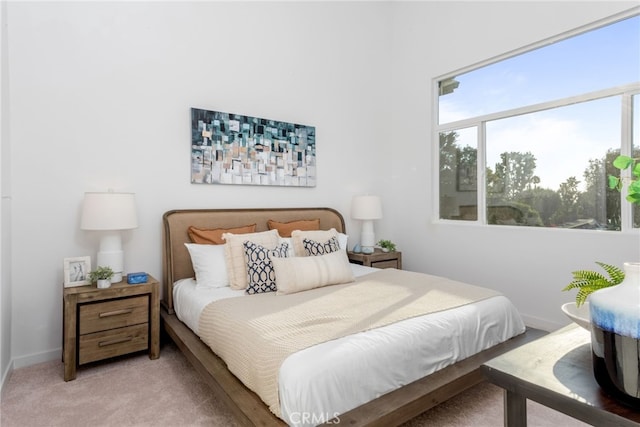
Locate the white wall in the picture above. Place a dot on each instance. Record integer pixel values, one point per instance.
(531, 266)
(100, 97)
(5, 205)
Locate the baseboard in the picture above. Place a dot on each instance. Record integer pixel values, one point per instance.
(34, 359)
(543, 324)
(6, 375)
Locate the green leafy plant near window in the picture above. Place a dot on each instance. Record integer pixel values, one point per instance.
(100, 273)
(633, 190)
(586, 281)
(387, 244)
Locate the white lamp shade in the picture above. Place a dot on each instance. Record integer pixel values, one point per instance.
(109, 211)
(366, 207)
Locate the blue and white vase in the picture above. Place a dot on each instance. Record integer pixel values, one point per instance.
(615, 337)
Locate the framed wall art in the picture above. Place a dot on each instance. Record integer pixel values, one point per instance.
(76, 271)
(229, 148)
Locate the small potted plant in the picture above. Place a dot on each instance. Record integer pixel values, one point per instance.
(102, 276)
(387, 245)
(586, 281)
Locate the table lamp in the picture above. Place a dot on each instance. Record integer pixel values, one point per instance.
(109, 213)
(366, 209)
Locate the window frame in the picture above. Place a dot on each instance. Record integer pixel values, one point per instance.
(626, 92)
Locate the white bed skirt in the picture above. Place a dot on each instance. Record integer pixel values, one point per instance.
(323, 381)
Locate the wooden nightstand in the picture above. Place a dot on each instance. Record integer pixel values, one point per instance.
(103, 323)
(377, 259)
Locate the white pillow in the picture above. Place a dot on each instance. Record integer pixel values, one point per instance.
(342, 241)
(209, 264)
(304, 273)
(234, 253)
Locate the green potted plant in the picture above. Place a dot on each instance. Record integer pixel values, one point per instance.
(589, 281)
(101, 276)
(387, 245)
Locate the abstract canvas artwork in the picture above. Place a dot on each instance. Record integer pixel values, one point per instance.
(231, 148)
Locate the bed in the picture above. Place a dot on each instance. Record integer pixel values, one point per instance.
(398, 395)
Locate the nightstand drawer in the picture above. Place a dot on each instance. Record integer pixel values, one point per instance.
(101, 345)
(113, 314)
(385, 264)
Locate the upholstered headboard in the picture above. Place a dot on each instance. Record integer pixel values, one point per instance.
(176, 262)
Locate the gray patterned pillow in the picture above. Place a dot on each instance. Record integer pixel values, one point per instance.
(261, 276)
(313, 248)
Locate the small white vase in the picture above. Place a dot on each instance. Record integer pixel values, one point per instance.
(615, 337)
(103, 283)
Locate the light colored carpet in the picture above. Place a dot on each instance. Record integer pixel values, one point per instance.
(136, 391)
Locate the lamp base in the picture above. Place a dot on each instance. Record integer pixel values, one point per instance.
(111, 255)
(367, 237)
(112, 259)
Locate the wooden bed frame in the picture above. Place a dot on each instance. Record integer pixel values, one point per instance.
(391, 409)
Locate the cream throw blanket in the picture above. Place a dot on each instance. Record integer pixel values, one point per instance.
(255, 334)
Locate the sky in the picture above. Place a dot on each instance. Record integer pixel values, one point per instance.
(563, 140)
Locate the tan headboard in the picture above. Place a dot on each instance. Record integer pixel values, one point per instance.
(176, 263)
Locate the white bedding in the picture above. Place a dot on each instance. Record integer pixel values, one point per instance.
(323, 381)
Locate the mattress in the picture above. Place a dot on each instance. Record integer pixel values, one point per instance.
(323, 381)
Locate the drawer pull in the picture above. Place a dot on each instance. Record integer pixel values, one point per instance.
(115, 341)
(115, 312)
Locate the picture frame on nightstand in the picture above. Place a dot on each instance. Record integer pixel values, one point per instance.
(76, 271)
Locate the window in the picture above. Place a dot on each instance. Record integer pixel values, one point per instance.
(530, 140)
